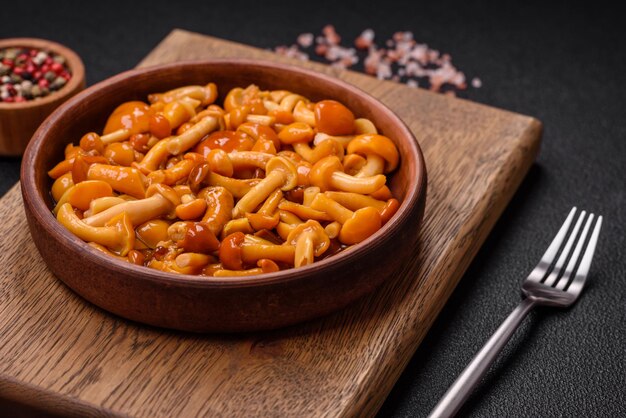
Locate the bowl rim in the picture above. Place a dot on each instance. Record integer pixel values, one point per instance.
(74, 63)
(32, 196)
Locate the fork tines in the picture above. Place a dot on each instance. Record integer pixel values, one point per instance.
(568, 245)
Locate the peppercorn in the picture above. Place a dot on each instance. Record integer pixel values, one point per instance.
(29, 73)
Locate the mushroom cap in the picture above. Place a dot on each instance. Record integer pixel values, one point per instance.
(285, 166)
(333, 118)
(323, 170)
(199, 238)
(225, 140)
(376, 144)
(363, 223)
(152, 232)
(84, 192)
(296, 132)
(220, 162)
(230, 251)
(321, 242)
(259, 221)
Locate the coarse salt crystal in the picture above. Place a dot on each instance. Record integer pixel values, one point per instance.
(305, 40)
(331, 35)
(365, 39)
(402, 58)
(383, 71)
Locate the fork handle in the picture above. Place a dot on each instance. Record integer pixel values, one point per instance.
(463, 386)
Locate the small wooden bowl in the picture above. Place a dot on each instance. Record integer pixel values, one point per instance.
(204, 304)
(18, 121)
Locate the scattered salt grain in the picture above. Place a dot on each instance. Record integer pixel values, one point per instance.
(305, 40)
(331, 35)
(291, 52)
(401, 59)
(365, 39)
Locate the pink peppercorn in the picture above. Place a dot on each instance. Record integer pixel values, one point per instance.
(56, 67)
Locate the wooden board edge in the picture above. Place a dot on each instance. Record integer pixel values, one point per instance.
(365, 404)
(35, 397)
(9, 193)
(530, 143)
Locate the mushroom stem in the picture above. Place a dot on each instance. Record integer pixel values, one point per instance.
(237, 225)
(205, 94)
(310, 241)
(115, 136)
(344, 140)
(333, 229)
(335, 210)
(264, 120)
(191, 136)
(321, 150)
(280, 173)
(364, 126)
(193, 260)
(138, 211)
(271, 203)
(259, 193)
(302, 113)
(303, 212)
(328, 173)
(309, 194)
(288, 221)
(102, 203)
(304, 253)
(247, 159)
(356, 226)
(237, 273)
(251, 253)
(363, 185)
(289, 102)
(355, 201)
(118, 234)
(171, 175)
(154, 157)
(264, 266)
(237, 187)
(220, 204)
(375, 165)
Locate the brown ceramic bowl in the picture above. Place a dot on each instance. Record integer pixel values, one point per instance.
(18, 121)
(205, 303)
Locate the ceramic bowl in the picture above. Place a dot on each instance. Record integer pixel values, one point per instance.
(208, 304)
(18, 121)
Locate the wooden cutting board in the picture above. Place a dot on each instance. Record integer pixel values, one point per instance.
(62, 354)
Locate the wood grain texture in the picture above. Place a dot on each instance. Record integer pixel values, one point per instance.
(62, 354)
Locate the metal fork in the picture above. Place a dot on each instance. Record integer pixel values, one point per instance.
(550, 283)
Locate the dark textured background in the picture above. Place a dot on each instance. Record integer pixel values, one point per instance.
(564, 64)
